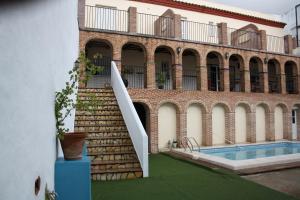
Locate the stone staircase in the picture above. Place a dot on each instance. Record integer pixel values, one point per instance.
(109, 145)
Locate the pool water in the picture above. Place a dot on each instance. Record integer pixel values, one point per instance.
(254, 151)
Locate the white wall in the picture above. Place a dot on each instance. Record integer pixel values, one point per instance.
(218, 125)
(240, 124)
(278, 113)
(39, 44)
(166, 125)
(260, 124)
(189, 15)
(194, 122)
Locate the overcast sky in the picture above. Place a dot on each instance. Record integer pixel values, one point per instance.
(267, 6)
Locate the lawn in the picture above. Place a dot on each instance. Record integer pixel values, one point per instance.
(178, 180)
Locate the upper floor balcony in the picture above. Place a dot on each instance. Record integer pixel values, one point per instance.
(173, 26)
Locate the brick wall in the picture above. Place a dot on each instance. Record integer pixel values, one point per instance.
(154, 98)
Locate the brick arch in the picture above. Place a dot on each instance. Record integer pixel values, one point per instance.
(294, 63)
(92, 38)
(176, 104)
(227, 107)
(139, 44)
(218, 54)
(286, 119)
(245, 105)
(201, 104)
(270, 136)
(195, 52)
(257, 86)
(274, 78)
(170, 49)
(233, 71)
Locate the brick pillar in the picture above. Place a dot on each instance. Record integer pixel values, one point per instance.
(265, 78)
(198, 71)
(263, 40)
(252, 128)
(230, 127)
(294, 43)
(203, 75)
(208, 132)
(283, 83)
(81, 14)
(247, 83)
(154, 132)
(270, 126)
(132, 15)
(177, 76)
(287, 125)
(117, 56)
(288, 44)
(150, 71)
(177, 26)
(222, 33)
(225, 77)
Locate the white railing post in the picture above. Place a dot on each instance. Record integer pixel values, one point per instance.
(133, 123)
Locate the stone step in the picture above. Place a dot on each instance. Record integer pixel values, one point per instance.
(99, 135)
(94, 129)
(103, 108)
(99, 113)
(114, 157)
(99, 118)
(100, 101)
(111, 153)
(107, 138)
(109, 162)
(100, 123)
(105, 141)
(108, 168)
(116, 170)
(107, 145)
(117, 175)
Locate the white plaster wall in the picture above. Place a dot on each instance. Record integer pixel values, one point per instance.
(166, 125)
(218, 125)
(194, 122)
(240, 124)
(38, 44)
(278, 114)
(260, 124)
(188, 15)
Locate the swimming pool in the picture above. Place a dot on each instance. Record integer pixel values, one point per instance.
(254, 151)
(246, 158)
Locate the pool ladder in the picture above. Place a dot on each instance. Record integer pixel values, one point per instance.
(187, 142)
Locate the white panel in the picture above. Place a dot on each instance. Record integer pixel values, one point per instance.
(194, 122)
(294, 124)
(218, 125)
(278, 123)
(240, 124)
(166, 125)
(260, 124)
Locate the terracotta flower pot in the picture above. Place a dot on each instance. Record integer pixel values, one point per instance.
(72, 145)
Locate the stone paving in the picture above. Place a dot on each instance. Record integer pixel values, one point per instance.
(287, 181)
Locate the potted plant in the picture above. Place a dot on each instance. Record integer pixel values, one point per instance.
(161, 79)
(174, 144)
(66, 100)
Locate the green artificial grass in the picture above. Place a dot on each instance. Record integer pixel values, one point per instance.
(178, 180)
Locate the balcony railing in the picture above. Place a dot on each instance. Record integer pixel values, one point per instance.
(110, 19)
(134, 75)
(274, 84)
(199, 32)
(189, 80)
(291, 84)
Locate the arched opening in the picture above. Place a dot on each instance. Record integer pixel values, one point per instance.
(291, 77)
(256, 75)
(274, 76)
(194, 126)
(296, 122)
(143, 112)
(236, 73)
(164, 60)
(99, 52)
(133, 65)
(215, 75)
(279, 122)
(189, 70)
(261, 126)
(241, 120)
(218, 125)
(167, 124)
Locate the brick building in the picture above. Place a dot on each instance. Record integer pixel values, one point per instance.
(208, 71)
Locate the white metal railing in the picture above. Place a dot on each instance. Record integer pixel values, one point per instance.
(133, 123)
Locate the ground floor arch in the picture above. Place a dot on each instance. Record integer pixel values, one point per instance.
(218, 125)
(195, 122)
(167, 125)
(279, 122)
(260, 118)
(240, 124)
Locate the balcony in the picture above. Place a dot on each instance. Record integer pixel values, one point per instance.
(170, 25)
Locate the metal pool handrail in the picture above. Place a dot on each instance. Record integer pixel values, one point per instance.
(189, 143)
